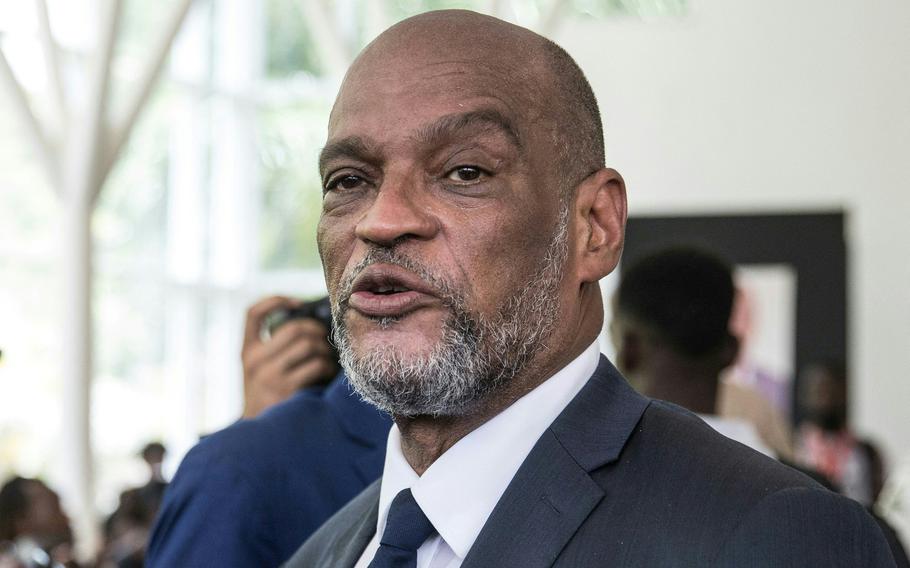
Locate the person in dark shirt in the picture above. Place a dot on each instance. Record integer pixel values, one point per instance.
(250, 494)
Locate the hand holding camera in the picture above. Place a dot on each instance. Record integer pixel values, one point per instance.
(285, 349)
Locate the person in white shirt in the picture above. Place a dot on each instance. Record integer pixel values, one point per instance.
(467, 218)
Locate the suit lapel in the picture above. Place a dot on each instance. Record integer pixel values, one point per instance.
(595, 426)
(351, 543)
(552, 493)
(539, 512)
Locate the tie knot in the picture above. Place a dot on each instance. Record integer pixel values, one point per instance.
(407, 527)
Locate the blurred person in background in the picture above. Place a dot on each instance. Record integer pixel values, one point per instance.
(250, 494)
(150, 494)
(34, 530)
(126, 531)
(824, 441)
(669, 327)
(670, 330)
(877, 476)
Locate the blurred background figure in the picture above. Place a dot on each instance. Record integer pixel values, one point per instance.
(153, 456)
(824, 440)
(285, 351)
(126, 531)
(34, 530)
(670, 329)
(254, 491)
(877, 477)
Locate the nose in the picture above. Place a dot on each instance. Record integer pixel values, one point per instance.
(397, 213)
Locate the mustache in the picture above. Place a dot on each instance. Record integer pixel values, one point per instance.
(442, 287)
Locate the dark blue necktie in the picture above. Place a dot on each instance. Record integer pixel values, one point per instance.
(405, 530)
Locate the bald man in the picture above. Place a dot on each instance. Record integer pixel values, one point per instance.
(467, 219)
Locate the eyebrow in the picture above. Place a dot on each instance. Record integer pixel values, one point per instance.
(433, 134)
(449, 126)
(352, 146)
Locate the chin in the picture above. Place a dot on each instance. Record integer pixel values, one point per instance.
(406, 345)
(409, 335)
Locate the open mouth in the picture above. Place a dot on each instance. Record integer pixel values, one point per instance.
(385, 290)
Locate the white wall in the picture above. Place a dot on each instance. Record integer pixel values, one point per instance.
(774, 105)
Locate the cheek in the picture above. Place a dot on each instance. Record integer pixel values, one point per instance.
(334, 249)
(497, 256)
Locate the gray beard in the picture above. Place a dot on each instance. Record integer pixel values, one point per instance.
(475, 356)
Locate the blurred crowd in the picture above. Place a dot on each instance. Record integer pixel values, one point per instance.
(670, 328)
(35, 531)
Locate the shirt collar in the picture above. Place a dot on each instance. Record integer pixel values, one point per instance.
(460, 489)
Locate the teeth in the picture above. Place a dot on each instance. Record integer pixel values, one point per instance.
(390, 289)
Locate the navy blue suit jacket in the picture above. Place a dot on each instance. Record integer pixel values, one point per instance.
(250, 494)
(619, 480)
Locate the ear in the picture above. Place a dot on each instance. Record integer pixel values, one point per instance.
(600, 216)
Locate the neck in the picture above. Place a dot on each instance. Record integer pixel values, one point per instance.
(692, 385)
(698, 396)
(425, 438)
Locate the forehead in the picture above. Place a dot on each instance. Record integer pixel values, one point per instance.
(406, 91)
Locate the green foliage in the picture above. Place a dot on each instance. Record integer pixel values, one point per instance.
(642, 8)
(289, 141)
(289, 46)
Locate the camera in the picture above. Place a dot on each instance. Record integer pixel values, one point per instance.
(319, 310)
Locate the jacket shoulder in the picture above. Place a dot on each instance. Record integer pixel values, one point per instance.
(803, 526)
(673, 434)
(676, 492)
(341, 540)
(256, 489)
(302, 414)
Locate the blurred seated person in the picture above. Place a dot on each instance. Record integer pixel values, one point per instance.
(126, 533)
(670, 329)
(34, 530)
(877, 477)
(824, 441)
(250, 494)
(127, 530)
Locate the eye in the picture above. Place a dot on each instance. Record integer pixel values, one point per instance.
(466, 174)
(344, 182)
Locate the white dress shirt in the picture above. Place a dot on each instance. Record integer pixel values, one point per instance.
(459, 490)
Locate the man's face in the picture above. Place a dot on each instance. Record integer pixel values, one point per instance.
(441, 207)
